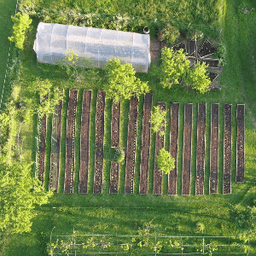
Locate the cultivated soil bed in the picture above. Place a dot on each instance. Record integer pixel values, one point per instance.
(115, 124)
(131, 146)
(201, 126)
(99, 142)
(187, 148)
(214, 149)
(173, 149)
(227, 149)
(70, 142)
(114, 178)
(84, 142)
(55, 149)
(42, 150)
(145, 146)
(240, 143)
(158, 175)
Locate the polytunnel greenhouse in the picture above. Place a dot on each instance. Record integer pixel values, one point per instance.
(53, 41)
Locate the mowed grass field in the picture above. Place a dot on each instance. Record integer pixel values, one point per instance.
(7, 9)
(171, 215)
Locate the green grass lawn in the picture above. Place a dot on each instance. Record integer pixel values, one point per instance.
(7, 9)
(170, 215)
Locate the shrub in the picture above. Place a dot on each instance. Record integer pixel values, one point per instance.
(122, 82)
(173, 68)
(169, 34)
(119, 155)
(197, 78)
(165, 162)
(21, 24)
(157, 119)
(221, 54)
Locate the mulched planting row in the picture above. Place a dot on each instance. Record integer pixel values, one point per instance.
(114, 178)
(227, 148)
(240, 143)
(214, 149)
(186, 169)
(55, 149)
(145, 146)
(115, 133)
(158, 175)
(84, 142)
(70, 142)
(131, 146)
(115, 124)
(173, 149)
(99, 142)
(42, 150)
(201, 126)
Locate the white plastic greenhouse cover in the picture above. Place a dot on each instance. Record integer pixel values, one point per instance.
(53, 41)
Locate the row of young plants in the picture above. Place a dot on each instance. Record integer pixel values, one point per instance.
(147, 241)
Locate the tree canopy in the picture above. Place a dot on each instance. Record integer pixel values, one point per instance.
(157, 119)
(173, 68)
(19, 194)
(165, 162)
(21, 24)
(122, 82)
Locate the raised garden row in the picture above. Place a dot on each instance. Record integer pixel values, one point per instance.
(145, 147)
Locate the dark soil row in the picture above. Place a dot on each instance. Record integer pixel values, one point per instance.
(70, 142)
(114, 177)
(42, 150)
(187, 149)
(158, 175)
(145, 147)
(201, 126)
(240, 143)
(55, 149)
(227, 149)
(99, 142)
(131, 146)
(173, 149)
(214, 149)
(115, 125)
(84, 142)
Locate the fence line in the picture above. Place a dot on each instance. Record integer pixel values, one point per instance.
(7, 64)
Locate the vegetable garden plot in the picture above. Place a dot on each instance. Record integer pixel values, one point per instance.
(84, 142)
(240, 143)
(145, 146)
(158, 175)
(201, 126)
(114, 177)
(115, 125)
(227, 149)
(173, 149)
(187, 148)
(131, 146)
(42, 150)
(99, 142)
(214, 149)
(70, 142)
(55, 149)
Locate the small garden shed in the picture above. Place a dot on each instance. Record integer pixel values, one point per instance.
(53, 41)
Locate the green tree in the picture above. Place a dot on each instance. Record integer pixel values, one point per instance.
(198, 79)
(48, 94)
(122, 82)
(173, 68)
(19, 194)
(164, 161)
(78, 68)
(21, 24)
(157, 119)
